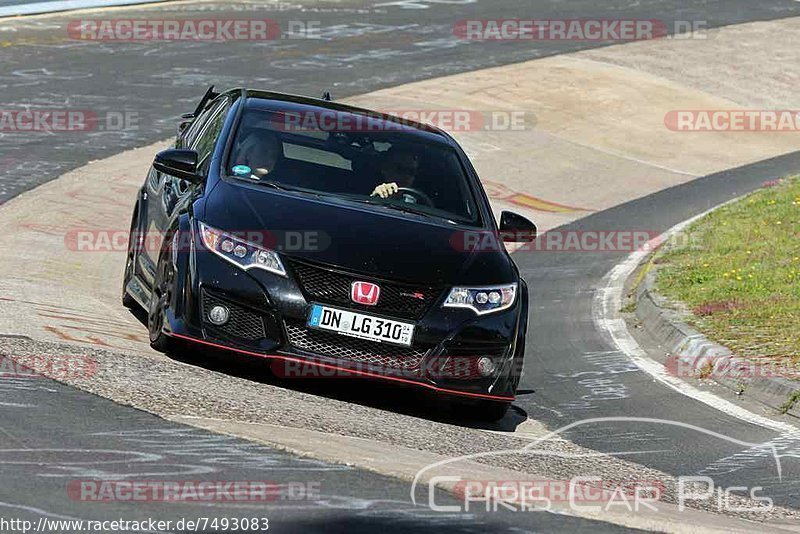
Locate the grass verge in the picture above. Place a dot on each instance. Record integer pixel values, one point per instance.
(738, 270)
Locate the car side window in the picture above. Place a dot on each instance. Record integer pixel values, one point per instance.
(197, 125)
(194, 128)
(190, 134)
(207, 139)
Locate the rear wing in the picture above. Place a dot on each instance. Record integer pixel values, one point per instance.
(188, 118)
(208, 97)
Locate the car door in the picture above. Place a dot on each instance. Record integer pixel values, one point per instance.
(169, 195)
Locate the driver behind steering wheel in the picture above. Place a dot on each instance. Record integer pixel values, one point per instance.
(399, 171)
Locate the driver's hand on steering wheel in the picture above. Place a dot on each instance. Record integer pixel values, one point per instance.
(385, 190)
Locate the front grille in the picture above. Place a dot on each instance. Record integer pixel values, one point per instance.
(332, 287)
(242, 323)
(378, 355)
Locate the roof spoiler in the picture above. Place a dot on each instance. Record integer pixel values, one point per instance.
(209, 96)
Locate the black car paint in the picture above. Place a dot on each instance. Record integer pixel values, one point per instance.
(371, 242)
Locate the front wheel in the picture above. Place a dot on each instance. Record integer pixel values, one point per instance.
(130, 264)
(159, 302)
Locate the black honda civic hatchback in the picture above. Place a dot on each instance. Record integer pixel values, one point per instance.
(334, 241)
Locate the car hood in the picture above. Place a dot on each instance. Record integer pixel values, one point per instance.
(385, 244)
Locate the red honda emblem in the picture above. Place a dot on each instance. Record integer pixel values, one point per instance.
(365, 293)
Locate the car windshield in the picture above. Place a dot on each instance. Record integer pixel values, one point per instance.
(355, 158)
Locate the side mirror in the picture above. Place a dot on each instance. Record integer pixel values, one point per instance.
(516, 228)
(178, 162)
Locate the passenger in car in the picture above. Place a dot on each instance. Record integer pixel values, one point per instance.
(261, 151)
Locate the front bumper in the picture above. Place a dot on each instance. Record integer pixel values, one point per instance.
(268, 320)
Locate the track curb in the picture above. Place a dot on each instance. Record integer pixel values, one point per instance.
(691, 352)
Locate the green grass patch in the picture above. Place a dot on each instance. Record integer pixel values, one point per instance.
(790, 402)
(738, 270)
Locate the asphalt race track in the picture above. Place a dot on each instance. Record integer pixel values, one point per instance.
(577, 374)
(52, 434)
(78, 437)
(363, 46)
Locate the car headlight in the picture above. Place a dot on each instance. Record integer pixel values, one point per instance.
(241, 253)
(482, 299)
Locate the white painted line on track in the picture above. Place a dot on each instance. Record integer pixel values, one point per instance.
(606, 316)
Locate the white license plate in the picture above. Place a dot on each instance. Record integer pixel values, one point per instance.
(361, 325)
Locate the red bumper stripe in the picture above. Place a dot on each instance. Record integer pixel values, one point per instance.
(346, 370)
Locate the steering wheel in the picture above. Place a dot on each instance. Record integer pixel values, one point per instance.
(417, 194)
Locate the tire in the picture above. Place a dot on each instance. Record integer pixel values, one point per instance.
(159, 302)
(128, 301)
(130, 263)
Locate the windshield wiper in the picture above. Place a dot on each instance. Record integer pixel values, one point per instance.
(391, 206)
(284, 187)
(274, 185)
(377, 201)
